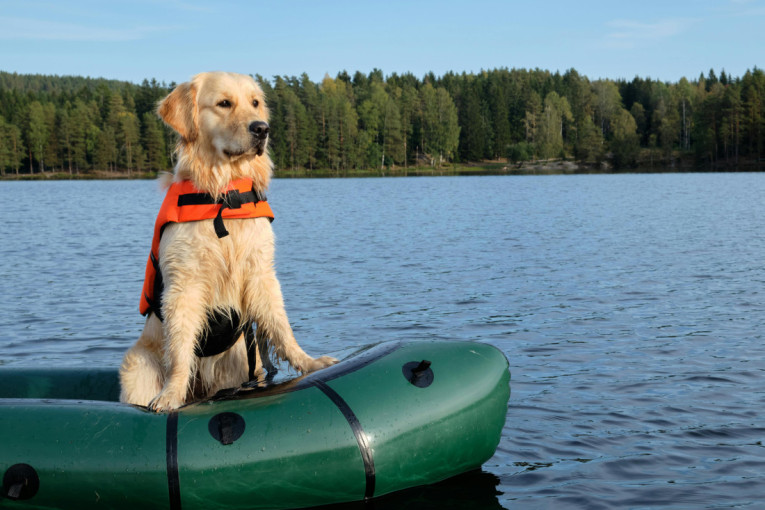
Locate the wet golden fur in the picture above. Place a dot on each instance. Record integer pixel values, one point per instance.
(202, 273)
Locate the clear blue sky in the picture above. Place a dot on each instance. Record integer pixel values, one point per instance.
(171, 40)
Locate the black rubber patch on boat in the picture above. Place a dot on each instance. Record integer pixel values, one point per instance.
(20, 482)
(226, 427)
(171, 448)
(358, 432)
(418, 373)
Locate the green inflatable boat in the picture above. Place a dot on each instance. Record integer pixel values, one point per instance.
(388, 417)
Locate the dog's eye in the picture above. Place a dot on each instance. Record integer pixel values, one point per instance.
(225, 103)
(255, 103)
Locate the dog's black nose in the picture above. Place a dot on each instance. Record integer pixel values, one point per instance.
(259, 129)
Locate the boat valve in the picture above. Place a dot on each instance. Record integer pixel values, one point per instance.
(20, 482)
(419, 373)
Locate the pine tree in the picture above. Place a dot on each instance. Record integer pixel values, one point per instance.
(589, 143)
(473, 133)
(708, 122)
(684, 94)
(81, 119)
(5, 148)
(105, 155)
(291, 145)
(51, 146)
(66, 128)
(17, 148)
(154, 143)
(730, 130)
(500, 115)
(308, 93)
(394, 148)
(371, 114)
(533, 110)
(11, 147)
(130, 135)
(753, 96)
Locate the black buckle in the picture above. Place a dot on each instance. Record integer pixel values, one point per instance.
(233, 199)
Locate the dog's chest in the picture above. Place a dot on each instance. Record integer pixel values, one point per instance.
(195, 246)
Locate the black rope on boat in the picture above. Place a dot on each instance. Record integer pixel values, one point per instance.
(173, 481)
(358, 431)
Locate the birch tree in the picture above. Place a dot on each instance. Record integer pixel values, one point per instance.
(37, 135)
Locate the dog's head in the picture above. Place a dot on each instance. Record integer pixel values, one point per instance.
(222, 121)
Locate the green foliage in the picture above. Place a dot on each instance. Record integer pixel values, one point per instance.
(37, 134)
(552, 123)
(439, 124)
(608, 102)
(589, 144)
(79, 125)
(154, 143)
(475, 133)
(625, 143)
(370, 121)
(519, 152)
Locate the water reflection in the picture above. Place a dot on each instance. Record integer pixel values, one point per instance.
(475, 490)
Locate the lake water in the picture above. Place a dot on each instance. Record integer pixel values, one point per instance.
(630, 308)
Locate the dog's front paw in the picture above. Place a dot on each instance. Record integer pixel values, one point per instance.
(319, 363)
(164, 402)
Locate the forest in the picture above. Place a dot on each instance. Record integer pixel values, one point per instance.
(81, 126)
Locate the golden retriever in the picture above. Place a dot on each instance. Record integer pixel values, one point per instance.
(221, 119)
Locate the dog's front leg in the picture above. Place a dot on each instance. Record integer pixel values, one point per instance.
(266, 305)
(184, 310)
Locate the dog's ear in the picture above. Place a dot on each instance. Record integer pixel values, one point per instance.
(179, 110)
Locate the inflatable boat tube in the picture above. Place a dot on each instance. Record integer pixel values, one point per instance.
(388, 417)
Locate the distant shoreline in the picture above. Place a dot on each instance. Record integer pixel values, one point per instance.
(547, 167)
(460, 124)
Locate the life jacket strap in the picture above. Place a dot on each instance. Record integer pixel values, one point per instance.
(233, 199)
(252, 347)
(159, 287)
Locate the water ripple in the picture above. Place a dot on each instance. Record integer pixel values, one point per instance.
(629, 308)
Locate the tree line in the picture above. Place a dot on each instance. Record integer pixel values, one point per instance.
(81, 125)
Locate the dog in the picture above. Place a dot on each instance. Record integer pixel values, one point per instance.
(214, 274)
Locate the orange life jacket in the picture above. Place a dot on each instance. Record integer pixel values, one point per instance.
(183, 203)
